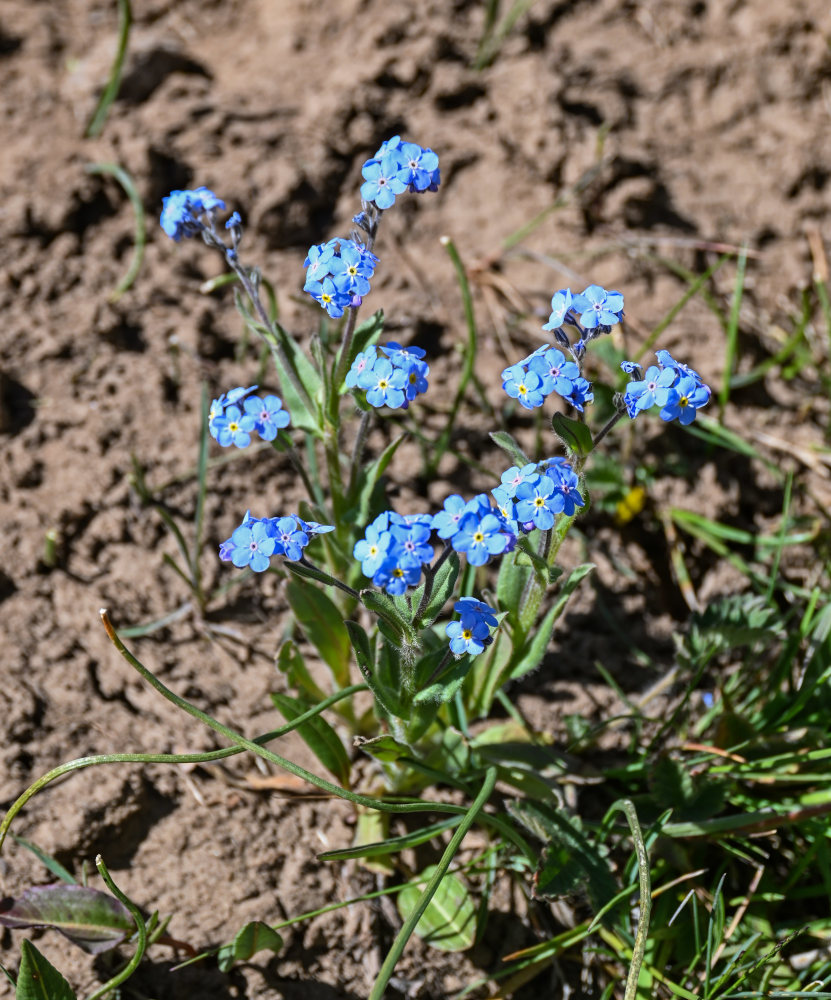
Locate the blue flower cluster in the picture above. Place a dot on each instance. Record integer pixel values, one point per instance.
(673, 386)
(398, 167)
(473, 630)
(593, 309)
(230, 424)
(394, 549)
(474, 528)
(182, 211)
(258, 538)
(392, 378)
(592, 312)
(545, 371)
(531, 497)
(338, 273)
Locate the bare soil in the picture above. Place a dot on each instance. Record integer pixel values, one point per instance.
(658, 131)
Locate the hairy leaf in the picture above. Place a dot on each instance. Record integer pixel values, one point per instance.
(92, 919)
(318, 735)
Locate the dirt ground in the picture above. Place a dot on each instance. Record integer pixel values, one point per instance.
(660, 130)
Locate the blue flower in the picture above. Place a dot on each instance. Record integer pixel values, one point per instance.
(598, 308)
(419, 167)
(290, 536)
(446, 522)
(538, 504)
(233, 427)
(560, 304)
(515, 476)
(181, 211)
(385, 384)
(557, 374)
(467, 636)
(269, 415)
(567, 483)
(332, 292)
(252, 546)
(469, 607)
(524, 386)
(413, 543)
(479, 538)
(395, 576)
(373, 549)
(363, 362)
(652, 390)
(581, 393)
(317, 262)
(504, 497)
(684, 399)
(382, 181)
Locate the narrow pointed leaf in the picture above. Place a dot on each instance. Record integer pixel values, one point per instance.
(449, 922)
(318, 735)
(323, 625)
(290, 662)
(508, 444)
(93, 920)
(574, 435)
(38, 979)
(254, 937)
(443, 587)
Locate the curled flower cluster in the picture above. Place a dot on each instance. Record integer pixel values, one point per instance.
(338, 273)
(473, 630)
(398, 167)
(593, 309)
(394, 550)
(258, 538)
(230, 424)
(671, 385)
(474, 528)
(545, 371)
(182, 212)
(592, 312)
(392, 378)
(531, 497)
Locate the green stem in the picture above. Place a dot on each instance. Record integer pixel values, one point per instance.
(342, 365)
(358, 451)
(645, 909)
(166, 758)
(469, 356)
(141, 932)
(411, 806)
(272, 328)
(429, 580)
(409, 926)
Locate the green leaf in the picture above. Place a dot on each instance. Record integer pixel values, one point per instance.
(445, 688)
(573, 580)
(323, 625)
(575, 435)
(369, 478)
(254, 937)
(449, 922)
(444, 584)
(384, 606)
(509, 445)
(570, 859)
(290, 662)
(510, 585)
(384, 747)
(37, 979)
(392, 845)
(318, 735)
(92, 919)
(54, 866)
